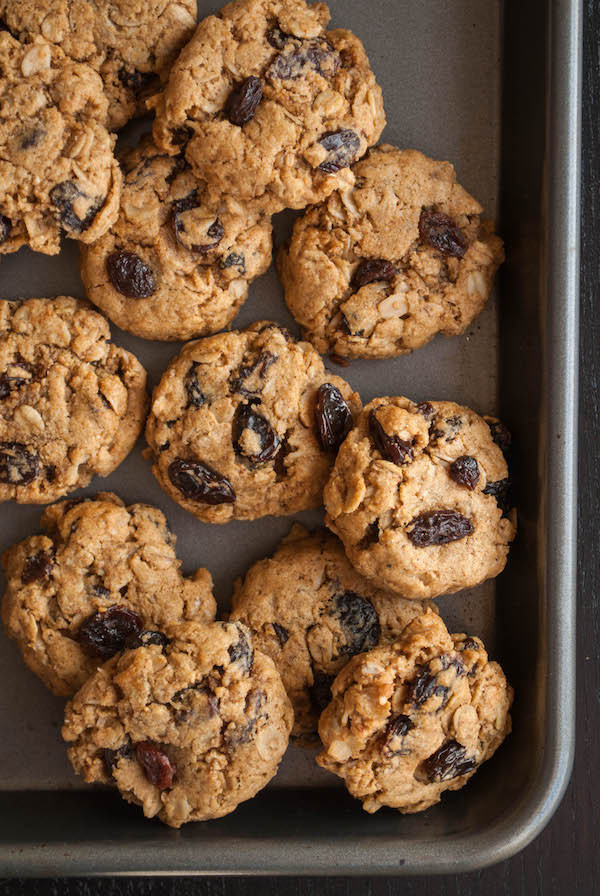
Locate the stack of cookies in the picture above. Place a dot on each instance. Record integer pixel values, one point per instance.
(334, 640)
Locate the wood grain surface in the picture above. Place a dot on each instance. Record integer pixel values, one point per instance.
(565, 859)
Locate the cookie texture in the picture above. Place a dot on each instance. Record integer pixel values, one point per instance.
(131, 44)
(269, 105)
(414, 719)
(72, 403)
(420, 496)
(246, 424)
(381, 266)
(311, 612)
(103, 576)
(187, 731)
(57, 169)
(177, 263)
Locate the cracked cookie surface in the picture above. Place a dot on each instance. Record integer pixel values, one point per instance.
(130, 43)
(269, 105)
(187, 731)
(381, 267)
(103, 576)
(246, 424)
(177, 263)
(414, 719)
(420, 496)
(72, 403)
(311, 612)
(57, 169)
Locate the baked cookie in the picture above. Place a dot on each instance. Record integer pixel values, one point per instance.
(57, 169)
(130, 43)
(268, 105)
(420, 496)
(382, 266)
(104, 576)
(246, 424)
(72, 404)
(187, 730)
(176, 264)
(411, 720)
(310, 611)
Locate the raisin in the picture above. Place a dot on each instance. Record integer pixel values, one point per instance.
(135, 80)
(106, 633)
(199, 482)
(237, 735)
(279, 463)
(371, 269)
(333, 418)
(156, 765)
(5, 228)
(149, 639)
(196, 397)
(260, 367)
(8, 383)
(214, 233)
(395, 731)
(450, 761)
(341, 147)
(424, 686)
(439, 527)
(500, 434)
(111, 757)
(359, 623)
(465, 471)
(37, 568)
(320, 690)
(234, 260)
(243, 101)
(278, 38)
(32, 137)
(425, 408)
(63, 196)
(393, 448)
(281, 632)
(130, 276)
(19, 465)
(246, 418)
(442, 233)
(470, 644)
(300, 56)
(370, 537)
(501, 491)
(242, 652)
(101, 591)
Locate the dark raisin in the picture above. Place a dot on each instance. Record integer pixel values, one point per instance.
(501, 491)
(196, 397)
(149, 639)
(106, 633)
(341, 147)
(246, 418)
(370, 537)
(135, 80)
(37, 568)
(19, 465)
(278, 38)
(333, 418)
(450, 761)
(101, 591)
(234, 260)
(300, 56)
(470, 644)
(371, 269)
(439, 527)
(501, 435)
(279, 463)
(424, 686)
(199, 482)
(260, 366)
(425, 408)
(243, 101)
(111, 757)
(236, 735)
(393, 448)
(182, 228)
(51, 473)
(63, 196)
(452, 427)
(281, 632)
(130, 276)
(442, 233)
(320, 690)
(156, 765)
(32, 137)
(359, 623)
(242, 652)
(8, 383)
(465, 471)
(395, 731)
(5, 228)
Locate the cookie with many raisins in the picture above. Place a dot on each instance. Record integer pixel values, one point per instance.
(247, 424)
(311, 612)
(72, 403)
(187, 731)
(383, 265)
(420, 496)
(103, 577)
(414, 719)
(177, 263)
(268, 105)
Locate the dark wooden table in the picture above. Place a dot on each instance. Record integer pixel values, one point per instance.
(565, 858)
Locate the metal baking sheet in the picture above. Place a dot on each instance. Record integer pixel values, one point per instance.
(479, 84)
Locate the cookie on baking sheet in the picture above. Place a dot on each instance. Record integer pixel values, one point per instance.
(420, 496)
(382, 266)
(57, 169)
(72, 403)
(176, 263)
(310, 611)
(130, 43)
(268, 105)
(104, 576)
(246, 424)
(187, 730)
(411, 720)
